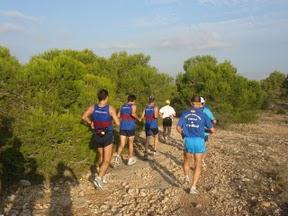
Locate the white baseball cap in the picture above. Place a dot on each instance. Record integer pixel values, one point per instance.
(202, 100)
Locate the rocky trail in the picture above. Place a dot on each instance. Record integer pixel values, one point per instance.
(246, 174)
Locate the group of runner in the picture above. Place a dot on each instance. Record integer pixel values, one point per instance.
(194, 125)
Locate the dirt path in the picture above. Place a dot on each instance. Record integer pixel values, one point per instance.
(246, 174)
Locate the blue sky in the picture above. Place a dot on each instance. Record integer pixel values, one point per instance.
(252, 34)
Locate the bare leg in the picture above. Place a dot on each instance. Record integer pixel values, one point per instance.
(165, 132)
(147, 144)
(100, 159)
(192, 163)
(155, 142)
(130, 150)
(122, 144)
(187, 163)
(106, 160)
(204, 156)
(169, 132)
(197, 171)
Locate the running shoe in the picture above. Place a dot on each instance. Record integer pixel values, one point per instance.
(131, 161)
(185, 179)
(104, 179)
(98, 182)
(193, 190)
(116, 160)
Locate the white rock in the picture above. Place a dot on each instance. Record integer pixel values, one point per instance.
(11, 198)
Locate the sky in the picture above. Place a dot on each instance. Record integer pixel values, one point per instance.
(251, 34)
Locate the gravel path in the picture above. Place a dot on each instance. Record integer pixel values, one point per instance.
(246, 174)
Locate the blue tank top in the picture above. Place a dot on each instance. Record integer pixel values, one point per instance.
(127, 121)
(101, 118)
(150, 120)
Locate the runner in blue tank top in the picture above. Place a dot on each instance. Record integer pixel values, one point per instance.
(191, 126)
(99, 117)
(150, 114)
(127, 115)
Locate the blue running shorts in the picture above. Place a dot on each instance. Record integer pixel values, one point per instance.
(194, 145)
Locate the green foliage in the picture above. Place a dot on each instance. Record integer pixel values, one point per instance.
(133, 75)
(276, 88)
(50, 138)
(41, 102)
(232, 97)
(52, 91)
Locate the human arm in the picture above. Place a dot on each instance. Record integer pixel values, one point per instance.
(161, 112)
(142, 116)
(173, 112)
(179, 126)
(179, 129)
(114, 116)
(86, 117)
(134, 112)
(156, 112)
(208, 124)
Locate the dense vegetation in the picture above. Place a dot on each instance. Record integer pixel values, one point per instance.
(41, 102)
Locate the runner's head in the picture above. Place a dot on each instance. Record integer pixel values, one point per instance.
(131, 98)
(102, 95)
(196, 101)
(151, 99)
(167, 102)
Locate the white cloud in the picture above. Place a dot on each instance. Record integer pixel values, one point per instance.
(196, 40)
(8, 27)
(17, 15)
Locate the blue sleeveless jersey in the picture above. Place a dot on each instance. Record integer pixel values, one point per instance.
(101, 118)
(127, 121)
(150, 120)
(193, 122)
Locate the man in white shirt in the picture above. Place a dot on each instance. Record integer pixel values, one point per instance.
(167, 113)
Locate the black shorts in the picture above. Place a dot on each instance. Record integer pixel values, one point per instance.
(127, 133)
(103, 141)
(151, 131)
(167, 122)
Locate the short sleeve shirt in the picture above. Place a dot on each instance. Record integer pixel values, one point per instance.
(167, 111)
(193, 122)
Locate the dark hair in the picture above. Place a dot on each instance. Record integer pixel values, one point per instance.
(102, 94)
(196, 99)
(131, 98)
(151, 99)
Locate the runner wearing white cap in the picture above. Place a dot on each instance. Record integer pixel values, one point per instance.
(167, 113)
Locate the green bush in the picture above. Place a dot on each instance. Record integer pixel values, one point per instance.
(231, 97)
